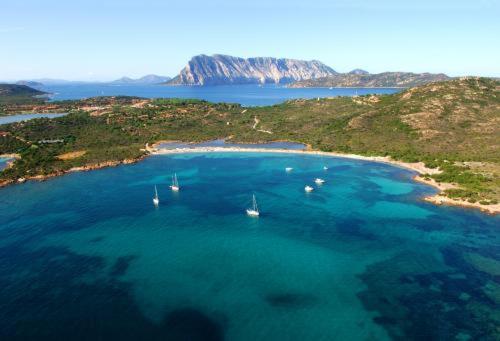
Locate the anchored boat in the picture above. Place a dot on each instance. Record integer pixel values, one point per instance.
(254, 211)
(156, 199)
(175, 184)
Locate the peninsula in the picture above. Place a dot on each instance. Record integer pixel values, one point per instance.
(363, 79)
(447, 131)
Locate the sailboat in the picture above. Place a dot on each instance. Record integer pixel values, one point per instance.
(156, 199)
(288, 169)
(319, 181)
(175, 184)
(254, 211)
(325, 168)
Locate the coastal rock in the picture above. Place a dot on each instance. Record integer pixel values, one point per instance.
(222, 69)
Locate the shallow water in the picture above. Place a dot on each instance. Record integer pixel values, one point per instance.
(360, 258)
(26, 117)
(247, 95)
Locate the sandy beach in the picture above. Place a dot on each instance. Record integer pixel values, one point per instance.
(419, 167)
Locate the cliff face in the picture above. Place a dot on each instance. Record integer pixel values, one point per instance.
(362, 79)
(221, 69)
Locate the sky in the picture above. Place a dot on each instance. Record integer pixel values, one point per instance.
(107, 39)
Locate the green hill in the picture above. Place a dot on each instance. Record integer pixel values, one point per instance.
(361, 79)
(12, 93)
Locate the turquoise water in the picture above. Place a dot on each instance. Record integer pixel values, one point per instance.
(247, 95)
(360, 258)
(26, 117)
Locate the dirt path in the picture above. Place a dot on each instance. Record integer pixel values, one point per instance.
(256, 122)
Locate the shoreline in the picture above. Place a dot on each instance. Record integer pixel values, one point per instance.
(418, 167)
(86, 168)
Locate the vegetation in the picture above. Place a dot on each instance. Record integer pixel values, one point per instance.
(364, 79)
(15, 94)
(450, 125)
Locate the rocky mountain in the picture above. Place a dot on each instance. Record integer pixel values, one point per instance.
(148, 79)
(222, 69)
(360, 78)
(31, 84)
(359, 72)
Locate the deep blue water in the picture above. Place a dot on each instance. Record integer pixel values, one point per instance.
(247, 95)
(26, 117)
(86, 256)
(223, 143)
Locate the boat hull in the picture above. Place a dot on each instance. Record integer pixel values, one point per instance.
(252, 213)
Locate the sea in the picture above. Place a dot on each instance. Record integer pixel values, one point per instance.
(27, 117)
(246, 95)
(87, 256)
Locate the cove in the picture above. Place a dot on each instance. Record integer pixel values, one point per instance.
(361, 257)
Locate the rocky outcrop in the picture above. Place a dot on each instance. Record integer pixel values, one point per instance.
(221, 69)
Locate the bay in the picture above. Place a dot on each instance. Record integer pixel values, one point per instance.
(361, 257)
(246, 95)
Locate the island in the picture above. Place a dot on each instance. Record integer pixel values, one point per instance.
(447, 132)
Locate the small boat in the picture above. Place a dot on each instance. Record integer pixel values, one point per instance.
(175, 184)
(325, 168)
(319, 181)
(156, 199)
(289, 169)
(254, 211)
(308, 189)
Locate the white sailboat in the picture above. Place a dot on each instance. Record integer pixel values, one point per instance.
(156, 199)
(319, 181)
(175, 184)
(254, 211)
(288, 169)
(325, 168)
(308, 189)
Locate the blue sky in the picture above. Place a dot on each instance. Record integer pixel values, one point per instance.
(106, 39)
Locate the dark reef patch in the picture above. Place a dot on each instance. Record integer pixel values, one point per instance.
(42, 298)
(417, 300)
(354, 228)
(291, 300)
(121, 265)
(96, 239)
(192, 325)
